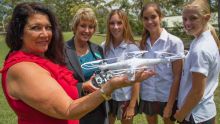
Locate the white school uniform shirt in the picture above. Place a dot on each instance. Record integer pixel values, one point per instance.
(122, 94)
(157, 88)
(203, 57)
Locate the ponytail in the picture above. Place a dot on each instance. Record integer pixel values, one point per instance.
(143, 40)
(214, 34)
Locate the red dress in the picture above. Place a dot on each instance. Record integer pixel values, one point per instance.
(27, 114)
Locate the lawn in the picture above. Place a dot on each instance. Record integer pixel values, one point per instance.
(7, 116)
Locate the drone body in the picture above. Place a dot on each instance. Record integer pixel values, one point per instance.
(127, 64)
(132, 63)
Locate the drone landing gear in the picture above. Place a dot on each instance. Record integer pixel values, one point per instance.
(101, 78)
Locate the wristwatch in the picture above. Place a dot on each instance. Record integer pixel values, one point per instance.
(106, 97)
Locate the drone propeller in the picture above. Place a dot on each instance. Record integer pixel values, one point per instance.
(136, 54)
(97, 63)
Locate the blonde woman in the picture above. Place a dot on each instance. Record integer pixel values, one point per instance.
(78, 50)
(201, 68)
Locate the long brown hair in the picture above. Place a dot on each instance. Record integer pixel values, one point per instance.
(146, 33)
(127, 35)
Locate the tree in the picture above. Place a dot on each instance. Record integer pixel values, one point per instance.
(219, 17)
(6, 8)
(101, 13)
(5, 12)
(62, 9)
(66, 9)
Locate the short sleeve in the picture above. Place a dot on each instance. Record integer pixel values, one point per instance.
(177, 47)
(200, 62)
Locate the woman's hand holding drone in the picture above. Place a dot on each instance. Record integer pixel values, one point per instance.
(123, 81)
(101, 78)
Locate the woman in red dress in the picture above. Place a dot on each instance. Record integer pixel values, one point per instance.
(36, 83)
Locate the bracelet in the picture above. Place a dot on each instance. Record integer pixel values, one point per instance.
(106, 97)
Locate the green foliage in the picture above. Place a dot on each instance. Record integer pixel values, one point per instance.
(63, 11)
(66, 9)
(214, 5)
(102, 13)
(219, 17)
(136, 25)
(178, 31)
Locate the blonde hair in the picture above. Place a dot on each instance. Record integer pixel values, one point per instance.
(203, 8)
(146, 33)
(83, 14)
(127, 32)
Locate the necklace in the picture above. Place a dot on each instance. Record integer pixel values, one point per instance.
(82, 52)
(82, 48)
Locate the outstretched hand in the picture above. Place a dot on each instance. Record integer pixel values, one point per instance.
(143, 75)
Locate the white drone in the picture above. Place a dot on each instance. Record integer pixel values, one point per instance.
(128, 63)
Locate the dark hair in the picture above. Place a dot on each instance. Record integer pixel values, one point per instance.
(146, 34)
(19, 19)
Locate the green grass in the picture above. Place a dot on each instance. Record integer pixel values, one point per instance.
(7, 116)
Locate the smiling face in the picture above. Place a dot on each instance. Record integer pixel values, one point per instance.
(84, 31)
(194, 23)
(37, 34)
(151, 19)
(116, 27)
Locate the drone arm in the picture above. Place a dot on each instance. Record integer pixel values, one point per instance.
(114, 66)
(147, 62)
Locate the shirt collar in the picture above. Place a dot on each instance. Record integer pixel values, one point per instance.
(163, 37)
(203, 34)
(123, 45)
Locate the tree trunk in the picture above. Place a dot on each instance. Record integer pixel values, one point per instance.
(219, 17)
(3, 26)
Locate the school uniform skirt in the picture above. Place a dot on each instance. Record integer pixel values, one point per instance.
(118, 108)
(155, 107)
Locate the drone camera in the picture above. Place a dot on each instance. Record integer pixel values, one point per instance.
(101, 78)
